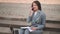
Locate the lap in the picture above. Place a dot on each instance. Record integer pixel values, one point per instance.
(36, 32)
(33, 32)
(24, 30)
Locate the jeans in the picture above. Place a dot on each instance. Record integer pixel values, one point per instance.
(26, 31)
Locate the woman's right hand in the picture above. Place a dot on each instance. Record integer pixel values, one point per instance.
(31, 12)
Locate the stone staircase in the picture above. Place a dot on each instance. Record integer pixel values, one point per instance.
(16, 24)
(12, 14)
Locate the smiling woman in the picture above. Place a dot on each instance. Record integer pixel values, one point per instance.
(37, 19)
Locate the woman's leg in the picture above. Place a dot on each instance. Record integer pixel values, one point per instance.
(21, 31)
(37, 32)
(26, 31)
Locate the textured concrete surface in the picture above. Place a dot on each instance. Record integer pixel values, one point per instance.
(21, 10)
(17, 10)
(7, 23)
(30, 1)
(5, 30)
(50, 32)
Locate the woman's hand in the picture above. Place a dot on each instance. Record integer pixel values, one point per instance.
(33, 28)
(31, 12)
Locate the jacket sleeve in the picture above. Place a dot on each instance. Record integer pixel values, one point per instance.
(29, 19)
(43, 20)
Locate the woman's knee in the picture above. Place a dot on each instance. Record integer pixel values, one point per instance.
(26, 31)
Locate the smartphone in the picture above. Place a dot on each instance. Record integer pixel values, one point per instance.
(32, 9)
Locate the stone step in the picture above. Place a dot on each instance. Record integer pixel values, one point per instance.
(17, 24)
(7, 23)
(50, 25)
(5, 30)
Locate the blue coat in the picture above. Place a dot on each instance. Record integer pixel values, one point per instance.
(38, 20)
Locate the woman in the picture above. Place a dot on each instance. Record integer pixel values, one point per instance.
(37, 19)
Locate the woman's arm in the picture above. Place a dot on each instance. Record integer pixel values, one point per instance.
(43, 20)
(42, 25)
(29, 19)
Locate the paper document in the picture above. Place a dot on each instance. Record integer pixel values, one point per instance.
(29, 28)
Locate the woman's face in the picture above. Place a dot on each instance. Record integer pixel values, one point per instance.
(35, 7)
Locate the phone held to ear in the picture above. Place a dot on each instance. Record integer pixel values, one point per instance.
(32, 9)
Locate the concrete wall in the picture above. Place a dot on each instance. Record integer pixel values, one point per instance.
(21, 8)
(30, 1)
(17, 10)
